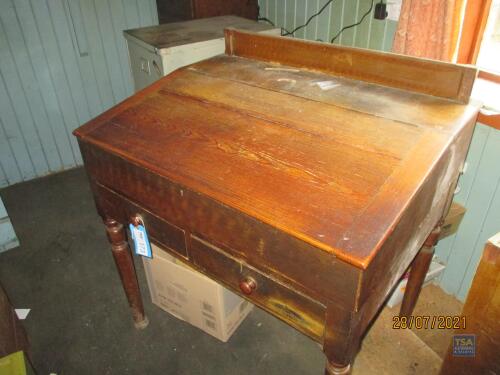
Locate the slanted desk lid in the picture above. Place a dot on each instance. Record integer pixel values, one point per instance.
(312, 139)
(178, 34)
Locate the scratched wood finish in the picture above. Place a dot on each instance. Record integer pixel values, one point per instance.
(389, 103)
(299, 311)
(319, 182)
(400, 71)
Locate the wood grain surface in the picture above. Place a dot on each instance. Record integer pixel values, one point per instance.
(316, 171)
(414, 74)
(300, 163)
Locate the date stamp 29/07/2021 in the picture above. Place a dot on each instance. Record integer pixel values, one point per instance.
(429, 322)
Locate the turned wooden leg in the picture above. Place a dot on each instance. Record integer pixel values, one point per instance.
(418, 271)
(341, 341)
(124, 263)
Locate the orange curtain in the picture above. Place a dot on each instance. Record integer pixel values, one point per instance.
(428, 28)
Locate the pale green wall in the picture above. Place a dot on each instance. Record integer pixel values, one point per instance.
(61, 64)
(8, 238)
(479, 186)
(371, 33)
(479, 192)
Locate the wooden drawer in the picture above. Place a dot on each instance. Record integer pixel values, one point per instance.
(297, 310)
(159, 231)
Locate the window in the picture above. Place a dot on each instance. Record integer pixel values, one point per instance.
(489, 51)
(480, 45)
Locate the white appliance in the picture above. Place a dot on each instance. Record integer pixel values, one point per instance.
(158, 50)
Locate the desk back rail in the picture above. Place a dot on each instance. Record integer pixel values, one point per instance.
(431, 77)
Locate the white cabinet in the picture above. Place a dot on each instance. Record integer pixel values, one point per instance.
(158, 50)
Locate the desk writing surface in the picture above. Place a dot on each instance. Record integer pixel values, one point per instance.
(239, 131)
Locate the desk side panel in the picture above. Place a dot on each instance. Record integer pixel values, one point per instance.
(427, 207)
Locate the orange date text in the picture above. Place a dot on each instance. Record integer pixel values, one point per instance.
(429, 322)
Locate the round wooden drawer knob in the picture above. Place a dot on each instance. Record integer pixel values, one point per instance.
(248, 285)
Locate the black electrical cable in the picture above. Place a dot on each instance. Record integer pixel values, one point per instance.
(266, 20)
(354, 24)
(309, 19)
(259, 18)
(283, 30)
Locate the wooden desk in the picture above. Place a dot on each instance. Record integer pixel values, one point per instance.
(303, 176)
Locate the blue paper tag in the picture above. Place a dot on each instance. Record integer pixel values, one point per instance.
(141, 240)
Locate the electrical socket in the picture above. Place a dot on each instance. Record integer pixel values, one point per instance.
(380, 11)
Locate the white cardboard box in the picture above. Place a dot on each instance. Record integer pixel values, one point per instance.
(435, 269)
(193, 297)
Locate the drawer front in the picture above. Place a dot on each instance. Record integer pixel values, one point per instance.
(295, 309)
(160, 231)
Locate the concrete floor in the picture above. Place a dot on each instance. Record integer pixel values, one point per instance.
(80, 323)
